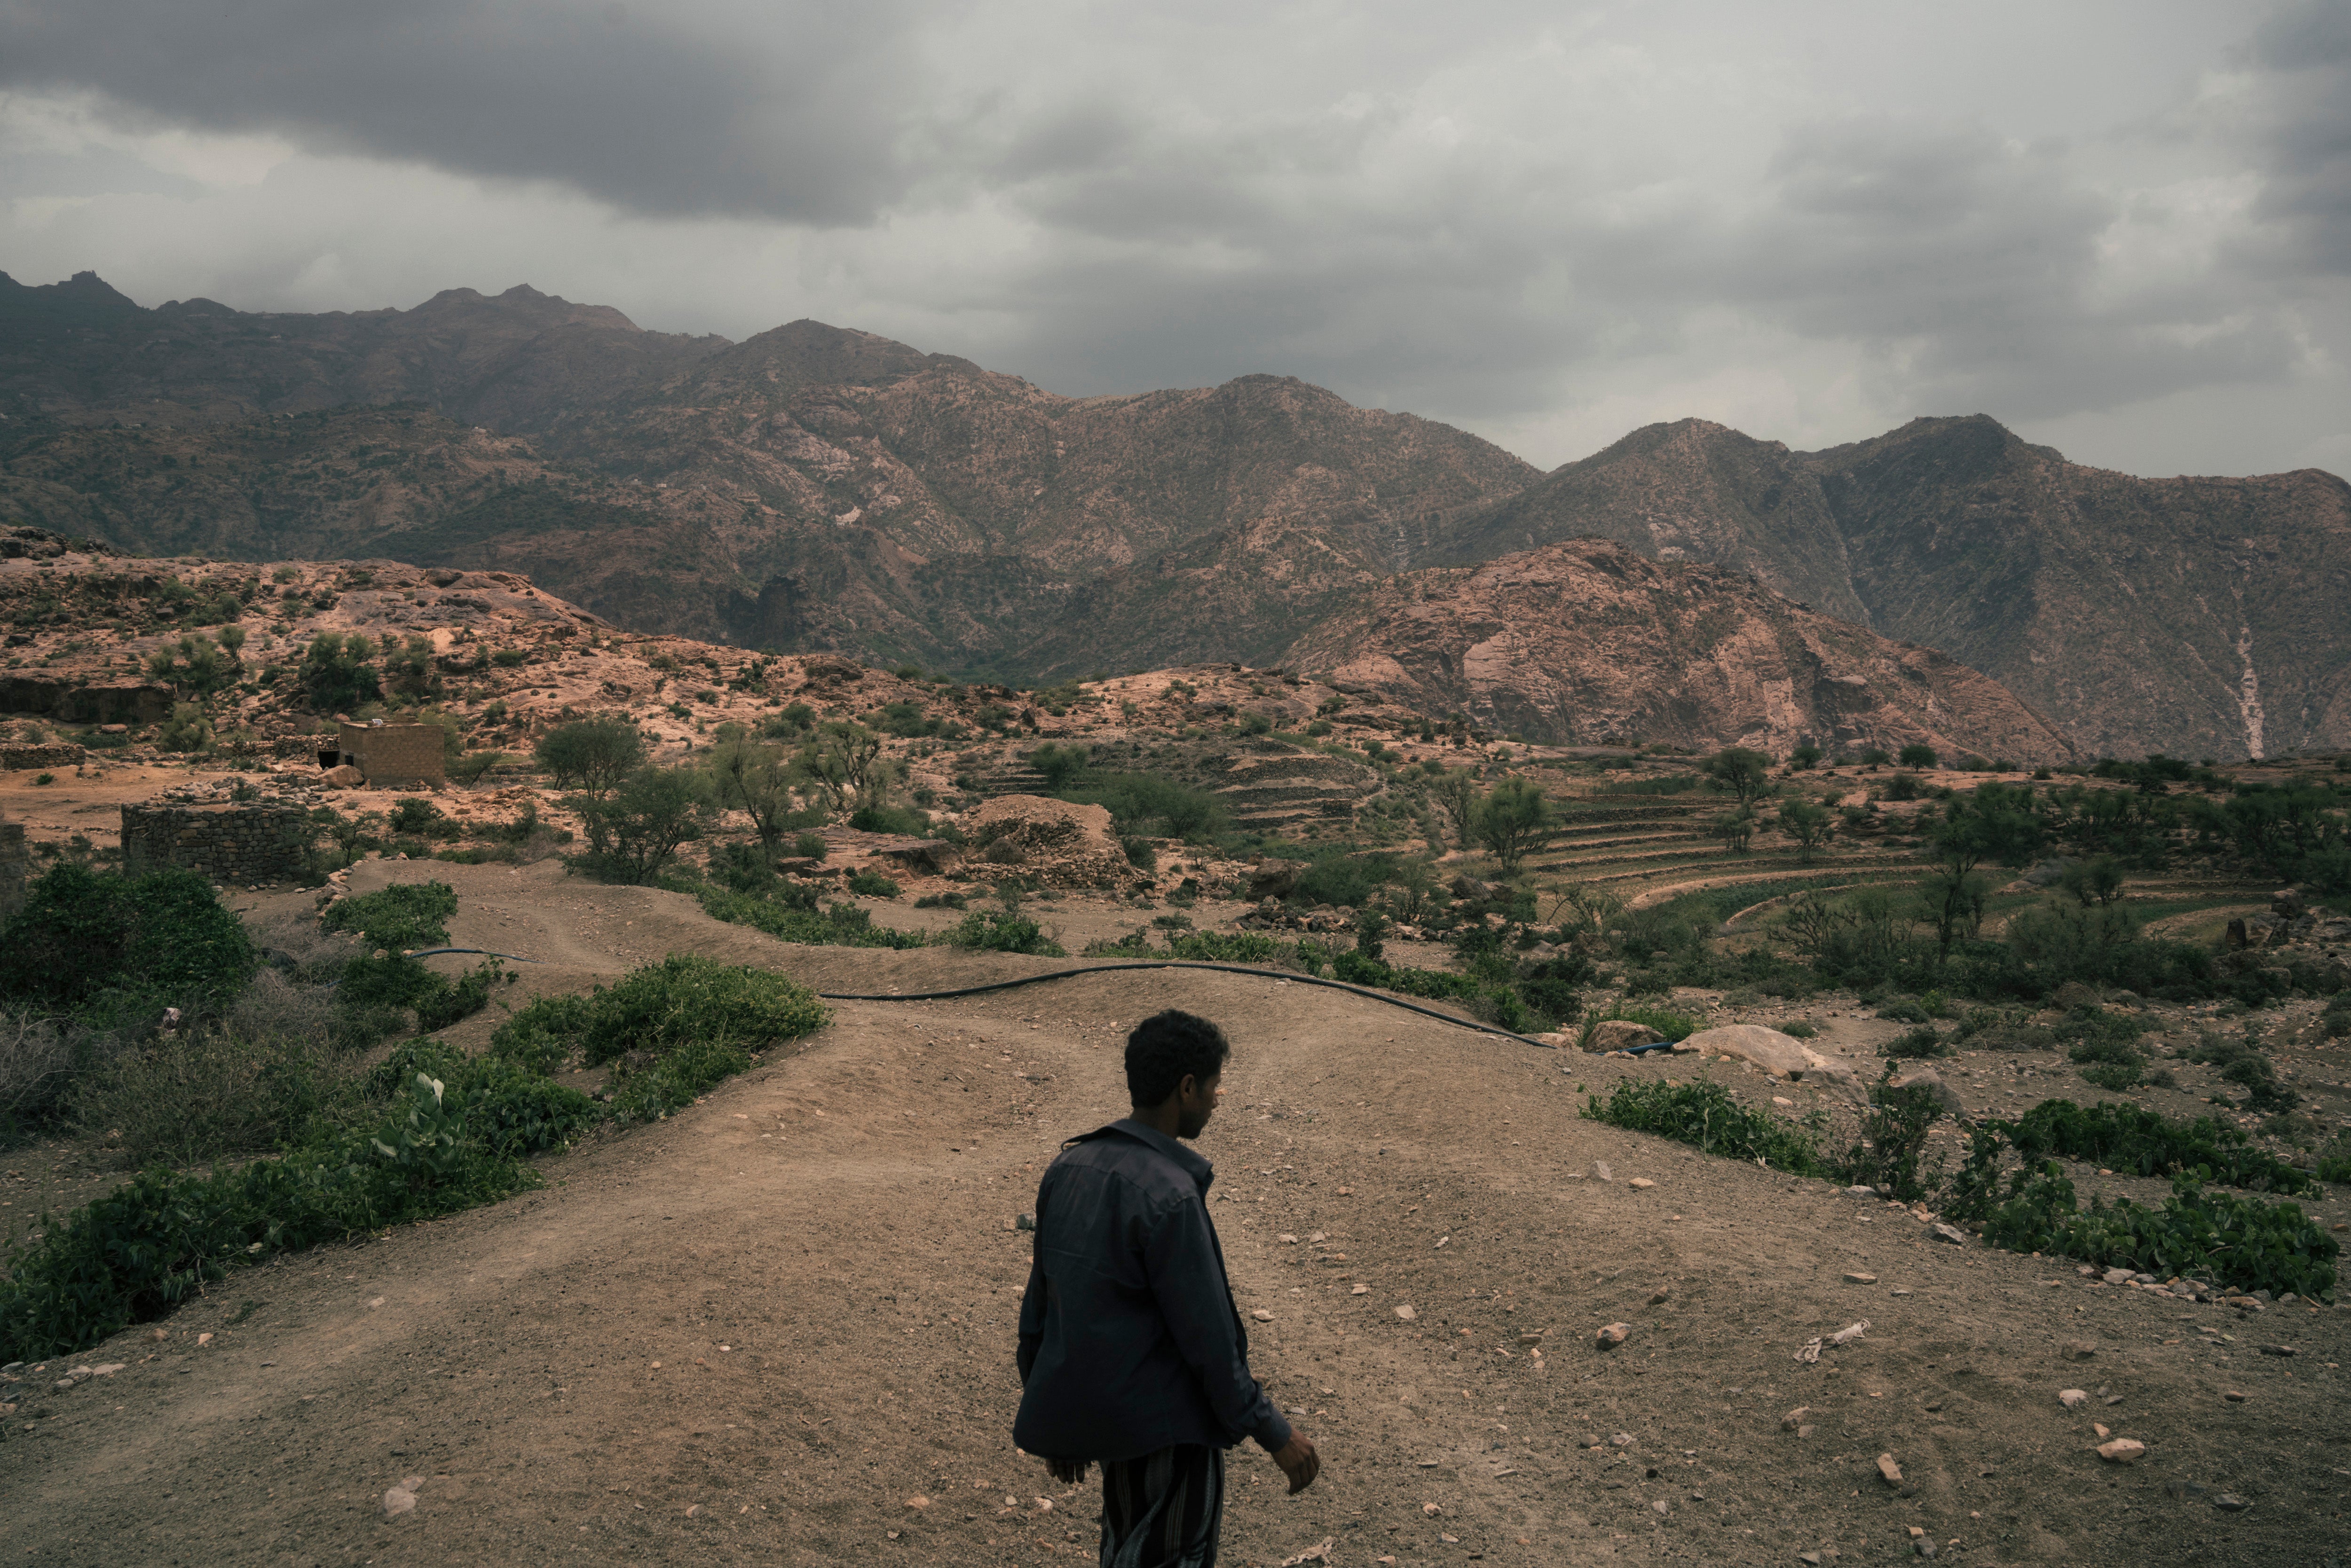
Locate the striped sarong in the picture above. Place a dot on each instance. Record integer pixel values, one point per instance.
(1163, 1509)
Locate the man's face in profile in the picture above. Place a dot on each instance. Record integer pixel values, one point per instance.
(1198, 1100)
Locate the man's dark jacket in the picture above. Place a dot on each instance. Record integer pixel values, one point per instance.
(1129, 1338)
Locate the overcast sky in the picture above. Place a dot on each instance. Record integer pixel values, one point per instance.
(2124, 229)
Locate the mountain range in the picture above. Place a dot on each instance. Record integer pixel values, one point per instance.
(816, 487)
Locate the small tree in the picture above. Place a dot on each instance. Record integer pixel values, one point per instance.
(196, 666)
(1742, 772)
(756, 779)
(1918, 754)
(1512, 820)
(634, 830)
(336, 675)
(1805, 757)
(1454, 790)
(1735, 829)
(2099, 880)
(843, 765)
(595, 754)
(1809, 823)
(1953, 903)
(1060, 765)
(409, 670)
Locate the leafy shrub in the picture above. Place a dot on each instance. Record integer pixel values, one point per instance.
(659, 1008)
(186, 1098)
(1921, 1042)
(2241, 1241)
(788, 914)
(1705, 1116)
(1134, 945)
(405, 916)
(872, 885)
(1903, 1012)
(144, 1248)
(2139, 1142)
(1003, 931)
(940, 900)
(1799, 1030)
(335, 675)
(810, 847)
(594, 753)
(1149, 805)
(112, 948)
(633, 831)
(879, 819)
(371, 986)
(1893, 1139)
(671, 1083)
(1552, 988)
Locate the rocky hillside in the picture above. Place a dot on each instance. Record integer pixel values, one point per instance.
(2196, 616)
(81, 352)
(816, 488)
(1589, 643)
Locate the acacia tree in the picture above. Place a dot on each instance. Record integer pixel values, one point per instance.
(595, 754)
(843, 765)
(757, 779)
(1809, 823)
(1512, 820)
(1454, 790)
(1742, 772)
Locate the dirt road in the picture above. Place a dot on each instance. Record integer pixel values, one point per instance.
(761, 1330)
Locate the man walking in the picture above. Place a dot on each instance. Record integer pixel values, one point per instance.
(1132, 1352)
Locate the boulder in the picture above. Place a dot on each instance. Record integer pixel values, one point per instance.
(1620, 1034)
(1780, 1055)
(1273, 879)
(343, 777)
(1927, 1078)
(1464, 885)
(2073, 994)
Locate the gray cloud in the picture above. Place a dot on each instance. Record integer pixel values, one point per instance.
(1546, 223)
(624, 105)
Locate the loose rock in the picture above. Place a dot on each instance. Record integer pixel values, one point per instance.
(1612, 1336)
(2072, 1398)
(1890, 1472)
(2122, 1452)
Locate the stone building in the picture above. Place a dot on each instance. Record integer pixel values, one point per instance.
(230, 843)
(393, 754)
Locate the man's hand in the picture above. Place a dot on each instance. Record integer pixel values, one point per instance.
(1299, 1461)
(1069, 1472)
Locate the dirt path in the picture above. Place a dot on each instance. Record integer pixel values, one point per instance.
(756, 1332)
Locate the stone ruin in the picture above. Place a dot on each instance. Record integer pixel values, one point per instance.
(237, 844)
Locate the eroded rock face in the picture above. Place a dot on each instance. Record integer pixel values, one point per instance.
(1575, 643)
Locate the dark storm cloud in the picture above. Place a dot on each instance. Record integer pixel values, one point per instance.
(623, 103)
(2303, 109)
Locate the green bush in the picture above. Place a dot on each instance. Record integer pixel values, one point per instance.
(1002, 931)
(872, 885)
(790, 914)
(112, 949)
(1893, 1141)
(200, 1095)
(663, 1008)
(2240, 1241)
(160, 1238)
(645, 1093)
(406, 916)
(2139, 1142)
(1705, 1116)
(1921, 1042)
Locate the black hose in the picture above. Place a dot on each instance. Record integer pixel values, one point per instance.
(1177, 964)
(484, 952)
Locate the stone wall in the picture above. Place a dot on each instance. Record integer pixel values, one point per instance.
(394, 753)
(235, 844)
(24, 758)
(73, 704)
(15, 868)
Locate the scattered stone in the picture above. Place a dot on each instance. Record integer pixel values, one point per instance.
(1260, 1314)
(1813, 1558)
(1661, 1294)
(1795, 1418)
(1533, 1338)
(402, 1499)
(2186, 1491)
(2234, 1396)
(1863, 1191)
(1640, 1184)
(918, 1502)
(1623, 1439)
(1024, 1222)
(2078, 1349)
(1888, 1470)
(1950, 1233)
(2072, 1398)
(1946, 1099)
(1599, 1171)
(1406, 1314)
(2277, 1350)
(1612, 1336)
(2230, 1502)
(1853, 1277)
(1361, 1290)
(2122, 1452)
(1660, 1506)
(2115, 1276)
(2100, 1430)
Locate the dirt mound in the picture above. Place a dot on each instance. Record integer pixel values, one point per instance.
(1060, 843)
